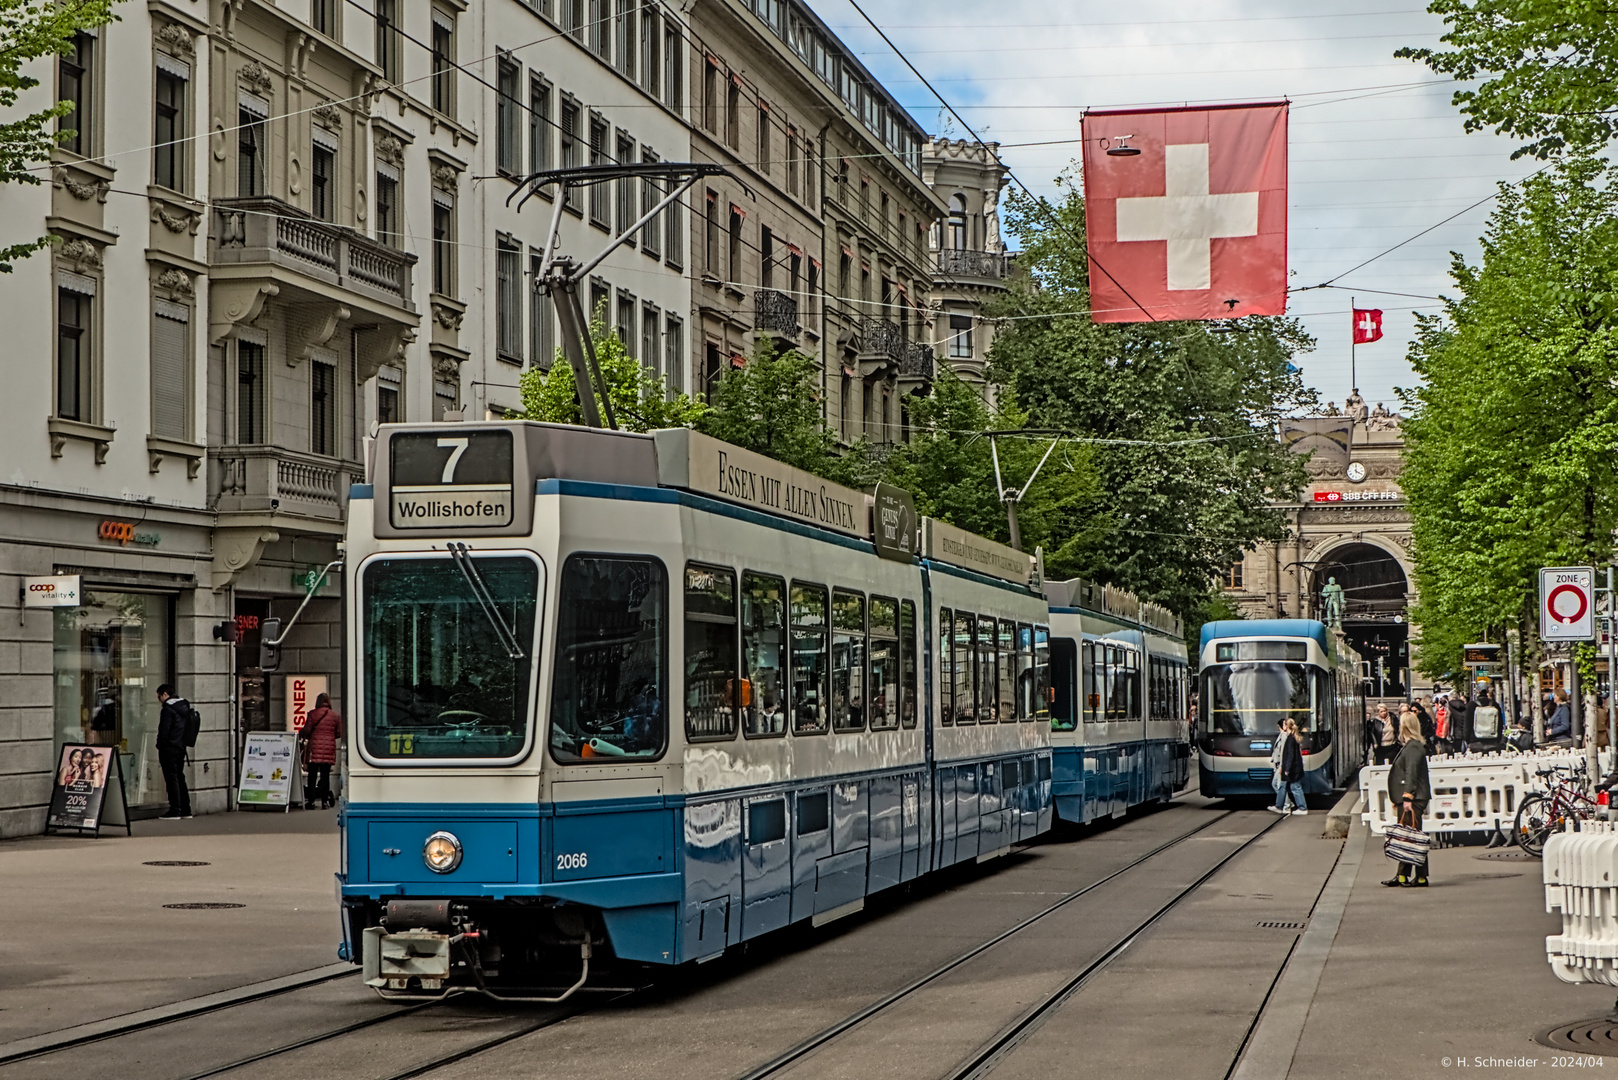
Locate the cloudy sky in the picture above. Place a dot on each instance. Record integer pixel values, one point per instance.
(1377, 151)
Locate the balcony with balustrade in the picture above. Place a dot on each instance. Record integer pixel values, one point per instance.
(974, 267)
(272, 480)
(776, 314)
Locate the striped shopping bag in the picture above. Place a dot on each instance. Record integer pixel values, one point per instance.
(1406, 843)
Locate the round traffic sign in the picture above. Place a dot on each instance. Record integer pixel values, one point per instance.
(1567, 604)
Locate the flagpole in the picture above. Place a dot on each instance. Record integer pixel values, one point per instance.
(1353, 377)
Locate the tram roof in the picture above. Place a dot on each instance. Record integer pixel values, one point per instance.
(1267, 628)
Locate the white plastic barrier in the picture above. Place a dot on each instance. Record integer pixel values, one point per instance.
(1581, 881)
(1471, 792)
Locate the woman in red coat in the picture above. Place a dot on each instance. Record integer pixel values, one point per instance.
(321, 732)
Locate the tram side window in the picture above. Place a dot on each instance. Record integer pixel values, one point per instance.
(965, 668)
(908, 667)
(1040, 705)
(712, 691)
(1154, 691)
(811, 676)
(884, 649)
(1132, 684)
(763, 654)
(1005, 672)
(848, 661)
(1064, 659)
(1025, 672)
(988, 693)
(1092, 691)
(610, 694)
(1112, 687)
(946, 667)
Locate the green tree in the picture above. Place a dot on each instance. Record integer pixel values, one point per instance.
(772, 405)
(1183, 416)
(1550, 70)
(1511, 442)
(640, 399)
(31, 30)
(949, 468)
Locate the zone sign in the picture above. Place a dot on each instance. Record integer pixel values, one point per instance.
(1567, 603)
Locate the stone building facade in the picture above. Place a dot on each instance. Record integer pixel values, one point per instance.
(971, 262)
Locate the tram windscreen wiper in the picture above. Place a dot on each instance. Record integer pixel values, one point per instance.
(462, 557)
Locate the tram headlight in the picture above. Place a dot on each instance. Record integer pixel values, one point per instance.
(441, 852)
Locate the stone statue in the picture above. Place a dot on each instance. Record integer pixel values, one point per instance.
(1381, 419)
(1354, 406)
(991, 222)
(1331, 409)
(1331, 599)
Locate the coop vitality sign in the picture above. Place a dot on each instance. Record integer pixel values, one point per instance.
(706, 466)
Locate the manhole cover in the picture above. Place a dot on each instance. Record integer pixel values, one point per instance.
(1282, 925)
(1598, 1036)
(173, 862)
(1510, 854)
(202, 907)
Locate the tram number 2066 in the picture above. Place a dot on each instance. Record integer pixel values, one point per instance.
(573, 860)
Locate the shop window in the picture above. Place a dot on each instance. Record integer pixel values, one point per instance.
(110, 654)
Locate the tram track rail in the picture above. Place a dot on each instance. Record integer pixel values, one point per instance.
(802, 1050)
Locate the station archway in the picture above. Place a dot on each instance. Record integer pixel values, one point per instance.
(1375, 617)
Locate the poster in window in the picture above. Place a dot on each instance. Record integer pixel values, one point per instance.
(80, 787)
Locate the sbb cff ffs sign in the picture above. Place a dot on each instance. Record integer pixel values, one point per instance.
(1567, 610)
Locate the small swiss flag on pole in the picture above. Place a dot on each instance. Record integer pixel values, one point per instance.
(1186, 212)
(1367, 325)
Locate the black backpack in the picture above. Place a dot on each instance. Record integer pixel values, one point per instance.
(193, 727)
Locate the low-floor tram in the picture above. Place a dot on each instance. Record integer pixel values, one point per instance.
(1253, 674)
(1120, 729)
(653, 696)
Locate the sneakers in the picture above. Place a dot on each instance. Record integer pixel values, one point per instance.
(187, 817)
(169, 817)
(1300, 813)
(1395, 882)
(1275, 810)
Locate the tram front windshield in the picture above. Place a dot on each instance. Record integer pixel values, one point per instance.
(448, 656)
(1253, 698)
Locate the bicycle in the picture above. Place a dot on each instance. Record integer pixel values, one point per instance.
(1542, 813)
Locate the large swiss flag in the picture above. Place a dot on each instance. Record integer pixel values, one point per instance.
(1194, 226)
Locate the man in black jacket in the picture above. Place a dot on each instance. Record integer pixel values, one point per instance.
(171, 751)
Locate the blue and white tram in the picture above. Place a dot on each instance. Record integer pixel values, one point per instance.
(1254, 674)
(1120, 730)
(657, 695)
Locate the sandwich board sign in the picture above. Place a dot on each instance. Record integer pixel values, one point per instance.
(267, 768)
(1567, 609)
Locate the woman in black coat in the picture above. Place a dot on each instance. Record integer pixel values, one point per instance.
(1409, 792)
(1291, 770)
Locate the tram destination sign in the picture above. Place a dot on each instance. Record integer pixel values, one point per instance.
(451, 478)
(943, 542)
(706, 466)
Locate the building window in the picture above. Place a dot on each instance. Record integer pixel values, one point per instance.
(733, 114)
(845, 267)
(600, 34)
(1233, 575)
(600, 294)
(845, 404)
(674, 232)
(387, 39)
(810, 170)
(387, 208)
(75, 74)
(651, 44)
(957, 222)
(712, 367)
(626, 186)
(673, 72)
(571, 147)
(600, 208)
(539, 125)
(443, 243)
(674, 354)
(249, 391)
(766, 257)
(446, 397)
(710, 96)
(650, 194)
(322, 177)
(74, 309)
(171, 371)
(250, 148)
(624, 322)
(792, 160)
(387, 397)
(507, 134)
(735, 244)
(763, 138)
(573, 18)
(322, 408)
(649, 357)
(710, 236)
(541, 324)
(323, 16)
(960, 337)
(443, 63)
(623, 38)
(812, 293)
(508, 301)
(168, 155)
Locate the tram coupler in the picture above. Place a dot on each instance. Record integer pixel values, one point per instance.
(414, 943)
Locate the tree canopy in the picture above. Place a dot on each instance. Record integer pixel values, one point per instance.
(31, 30)
(1550, 70)
(1510, 448)
(1183, 418)
(640, 399)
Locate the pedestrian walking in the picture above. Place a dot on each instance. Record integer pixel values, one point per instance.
(1429, 726)
(1287, 761)
(1387, 736)
(318, 746)
(1460, 720)
(171, 728)
(1559, 728)
(1487, 729)
(1409, 793)
(1441, 724)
